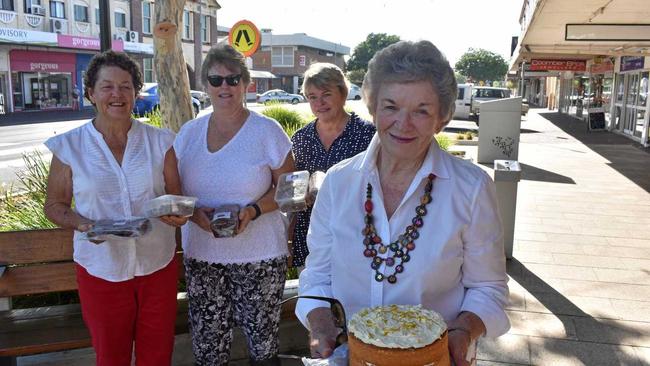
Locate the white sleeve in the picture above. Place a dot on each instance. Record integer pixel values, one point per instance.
(58, 146)
(278, 144)
(484, 263)
(315, 279)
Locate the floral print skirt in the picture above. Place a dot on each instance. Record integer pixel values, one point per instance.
(222, 296)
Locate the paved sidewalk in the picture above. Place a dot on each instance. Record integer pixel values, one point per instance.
(580, 276)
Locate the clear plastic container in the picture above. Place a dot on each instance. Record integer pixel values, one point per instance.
(225, 220)
(291, 192)
(108, 229)
(170, 204)
(315, 182)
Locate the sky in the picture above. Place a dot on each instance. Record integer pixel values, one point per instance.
(452, 25)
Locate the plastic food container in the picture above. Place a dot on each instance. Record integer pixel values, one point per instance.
(315, 182)
(108, 229)
(291, 193)
(170, 204)
(225, 220)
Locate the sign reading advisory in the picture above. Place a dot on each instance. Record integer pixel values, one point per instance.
(245, 37)
(558, 65)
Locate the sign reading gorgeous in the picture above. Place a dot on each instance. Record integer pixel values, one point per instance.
(85, 43)
(558, 65)
(43, 66)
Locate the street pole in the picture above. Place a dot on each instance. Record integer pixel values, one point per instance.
(105, 34)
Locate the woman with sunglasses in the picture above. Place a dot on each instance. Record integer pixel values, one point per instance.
(404, 222)
(233, 156)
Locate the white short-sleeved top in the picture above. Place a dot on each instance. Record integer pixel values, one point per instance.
(239, 173)
(102, 189)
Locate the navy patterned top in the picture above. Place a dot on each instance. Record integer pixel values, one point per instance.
(310, 154)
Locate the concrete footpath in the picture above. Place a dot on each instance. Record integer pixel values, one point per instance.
(580, 276)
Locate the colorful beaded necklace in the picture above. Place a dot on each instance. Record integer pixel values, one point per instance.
(400, 247)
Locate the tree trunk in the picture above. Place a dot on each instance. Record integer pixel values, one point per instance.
(171, 72)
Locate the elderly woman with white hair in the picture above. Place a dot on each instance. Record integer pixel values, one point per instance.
(404, 222)
(333, 136)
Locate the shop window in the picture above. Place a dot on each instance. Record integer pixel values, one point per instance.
(187, 25)
(147, 12)
(205, 28)
(57, 9)
(120, 19)
(7, 5)
(81, 13)
(97, 16)
(282, 56)
(149, 76)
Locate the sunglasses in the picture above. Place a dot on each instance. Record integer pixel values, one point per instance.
(337, 311)
(217, 80)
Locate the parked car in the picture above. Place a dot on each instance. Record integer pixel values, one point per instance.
(354, 93)
(148, 100)
(463, 101)
(203, 97)
(277, 95)
(482, 94)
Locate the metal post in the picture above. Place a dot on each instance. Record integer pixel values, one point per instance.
(105, 34)
(523, 81)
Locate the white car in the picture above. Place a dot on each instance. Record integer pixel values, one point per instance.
(277, 95)
(354, 93)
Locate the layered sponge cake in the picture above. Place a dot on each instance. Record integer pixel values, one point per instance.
(398, 335)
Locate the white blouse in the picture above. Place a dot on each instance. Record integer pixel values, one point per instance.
(458, 263)
(102, 189)
(239, 173)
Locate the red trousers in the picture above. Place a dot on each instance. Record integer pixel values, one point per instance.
(140, 310)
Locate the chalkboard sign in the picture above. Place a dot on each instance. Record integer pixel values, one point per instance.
(596, 119)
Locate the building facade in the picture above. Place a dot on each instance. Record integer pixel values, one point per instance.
(46, 45)
(287, 56)
(587, 58)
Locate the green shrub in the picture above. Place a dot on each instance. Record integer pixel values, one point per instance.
(290, 120)
(444, 141)
(21, 207)
(154, 118)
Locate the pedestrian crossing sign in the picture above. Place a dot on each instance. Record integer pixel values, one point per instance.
(245, 37)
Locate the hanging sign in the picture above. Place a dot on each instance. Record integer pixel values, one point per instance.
(245, 37)
(558, 65)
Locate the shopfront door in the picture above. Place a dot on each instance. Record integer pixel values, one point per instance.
(636, 99)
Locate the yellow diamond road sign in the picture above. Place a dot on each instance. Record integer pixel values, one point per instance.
(245, 37)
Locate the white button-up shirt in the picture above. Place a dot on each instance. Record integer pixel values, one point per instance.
(102, 189)
(458, 263)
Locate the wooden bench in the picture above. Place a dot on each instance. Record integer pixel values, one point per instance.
(38, 262)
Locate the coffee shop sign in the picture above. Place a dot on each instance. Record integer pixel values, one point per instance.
(42, 66)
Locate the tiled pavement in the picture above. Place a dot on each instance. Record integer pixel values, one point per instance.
(580, 276)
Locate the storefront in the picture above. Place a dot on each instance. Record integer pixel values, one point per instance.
(42, 80)
(630, 107)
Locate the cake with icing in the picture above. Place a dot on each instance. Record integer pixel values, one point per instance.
(398, 335)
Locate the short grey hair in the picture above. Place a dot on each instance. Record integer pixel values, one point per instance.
(226, 55)
(324, 74)
(406, 62)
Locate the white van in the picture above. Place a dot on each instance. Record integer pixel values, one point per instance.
(464, 101)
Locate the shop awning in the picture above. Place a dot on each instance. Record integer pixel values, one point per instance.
(255, 74)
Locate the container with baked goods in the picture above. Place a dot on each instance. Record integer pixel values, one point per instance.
(225, 220)
(291, 192)
(110, 229)
(170, 204)
(315, 182)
